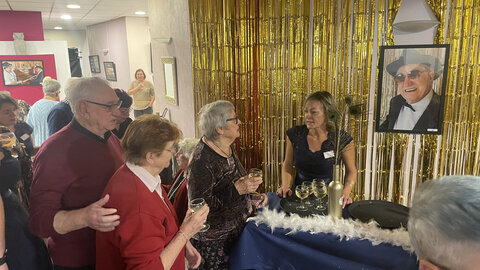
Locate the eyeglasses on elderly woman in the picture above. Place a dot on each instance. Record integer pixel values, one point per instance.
(233, 119)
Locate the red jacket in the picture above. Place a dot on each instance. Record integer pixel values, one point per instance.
(146, 226)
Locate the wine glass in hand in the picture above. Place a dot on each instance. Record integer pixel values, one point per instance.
(256, 197)
(301, 193)
(195, 205)
(8, 140)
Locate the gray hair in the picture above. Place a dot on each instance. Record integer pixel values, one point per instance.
(187, 146)
(51, 87)
(444, 220)
(212, 116)
(78, 89)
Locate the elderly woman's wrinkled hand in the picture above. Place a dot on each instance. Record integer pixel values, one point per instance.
(248, 184)
(193, 222)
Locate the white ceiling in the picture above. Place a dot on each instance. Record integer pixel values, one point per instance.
(90, 11)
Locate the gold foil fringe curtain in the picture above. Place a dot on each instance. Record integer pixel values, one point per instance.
(255, 53)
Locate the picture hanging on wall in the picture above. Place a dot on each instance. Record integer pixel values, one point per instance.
(22, 72)
(110, 72)
(411, 95)
(94, 64)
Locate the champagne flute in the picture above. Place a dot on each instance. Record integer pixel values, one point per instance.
(301, 193)
(320, 191)
(256, 197)
(308, 185)
(195, 205)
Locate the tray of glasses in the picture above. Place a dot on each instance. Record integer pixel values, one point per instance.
(291, 205)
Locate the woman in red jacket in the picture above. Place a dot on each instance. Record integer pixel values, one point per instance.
(148, 236)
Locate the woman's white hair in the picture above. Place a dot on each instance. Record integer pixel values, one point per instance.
(50, 87)
(444, 220)
(186, 146)
(78, 89)
(212, 116)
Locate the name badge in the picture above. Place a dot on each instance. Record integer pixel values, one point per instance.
(329, 154)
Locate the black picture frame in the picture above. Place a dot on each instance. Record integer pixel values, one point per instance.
(410, 71)
(110, 72)
(94, 63)
(28, 72)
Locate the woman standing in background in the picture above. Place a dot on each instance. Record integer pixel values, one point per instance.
(143, 94)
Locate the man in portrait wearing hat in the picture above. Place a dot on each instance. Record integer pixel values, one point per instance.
(39, 75)
(417, 107)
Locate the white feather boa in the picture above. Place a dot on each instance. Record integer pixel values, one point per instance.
(345, 228)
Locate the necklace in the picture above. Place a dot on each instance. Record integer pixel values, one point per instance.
(228, 156)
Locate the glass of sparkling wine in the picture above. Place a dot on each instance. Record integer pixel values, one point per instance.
(8, 140)
(256, 197)
(320, 191)
(195, 205)
(301, 193)
(308, 185)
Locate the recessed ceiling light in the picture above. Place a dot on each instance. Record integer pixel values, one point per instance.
(66, 17)
(58, 28)
(140, 12)
(73, 6)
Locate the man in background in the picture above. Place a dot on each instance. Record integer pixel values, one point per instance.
(70, 172)
(417, 107)
(444, 223)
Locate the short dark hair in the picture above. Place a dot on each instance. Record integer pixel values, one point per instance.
(144, 76)
(329, 107)
(124, 97)
(148, 133)
(6, 98)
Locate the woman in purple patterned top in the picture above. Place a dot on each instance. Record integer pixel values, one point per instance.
(216, 174)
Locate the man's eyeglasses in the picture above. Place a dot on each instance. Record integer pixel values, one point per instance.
(109, 107)
(233, 119)
(412, 75)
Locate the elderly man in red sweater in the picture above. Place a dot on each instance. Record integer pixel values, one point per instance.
(70, 172)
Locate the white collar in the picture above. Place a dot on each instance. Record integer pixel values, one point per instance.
(152, 182)
(423, 103)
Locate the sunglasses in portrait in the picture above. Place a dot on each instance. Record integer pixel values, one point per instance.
(233, 119)
(109, 107)
(412, 75)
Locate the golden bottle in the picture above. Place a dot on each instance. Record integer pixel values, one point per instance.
(335, 190)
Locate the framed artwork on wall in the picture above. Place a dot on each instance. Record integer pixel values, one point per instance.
(169, 71)
(94, 63)
(411, 88)
(22, 72)
(110, 72)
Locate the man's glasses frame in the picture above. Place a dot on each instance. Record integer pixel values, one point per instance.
(109, 107)
(412, 75)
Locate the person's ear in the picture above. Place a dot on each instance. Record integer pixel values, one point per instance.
(219, 130)
(82, 109)
(426, 265)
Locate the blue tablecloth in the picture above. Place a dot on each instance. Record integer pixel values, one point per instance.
(259, 248)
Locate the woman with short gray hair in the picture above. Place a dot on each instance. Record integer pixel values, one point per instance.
(216, 174)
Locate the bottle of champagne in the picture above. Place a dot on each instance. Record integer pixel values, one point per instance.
(335, 190)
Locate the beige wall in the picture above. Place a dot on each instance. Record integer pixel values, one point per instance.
(138, 39)
(170, 19)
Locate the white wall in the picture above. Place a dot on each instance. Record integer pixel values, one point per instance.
(138, 39)
(171, 19)
(75, 39)
(108, 40)
(58, 48)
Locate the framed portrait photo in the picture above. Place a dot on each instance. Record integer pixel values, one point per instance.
(110, 72)
(94, 63)
(411, 88)
(22, 72)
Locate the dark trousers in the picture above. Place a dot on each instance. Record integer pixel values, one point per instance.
(137, 113)
(90, 267)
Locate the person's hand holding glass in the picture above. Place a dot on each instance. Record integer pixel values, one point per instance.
(8, 140)
(258, 199)
(195, 205)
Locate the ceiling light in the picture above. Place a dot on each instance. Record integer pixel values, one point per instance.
(66, 17)
(58, 28)
(140, 12)
(73, 6)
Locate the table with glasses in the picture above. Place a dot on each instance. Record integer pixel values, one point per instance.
(273, 239)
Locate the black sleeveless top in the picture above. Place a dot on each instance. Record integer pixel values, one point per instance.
(310, 165)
